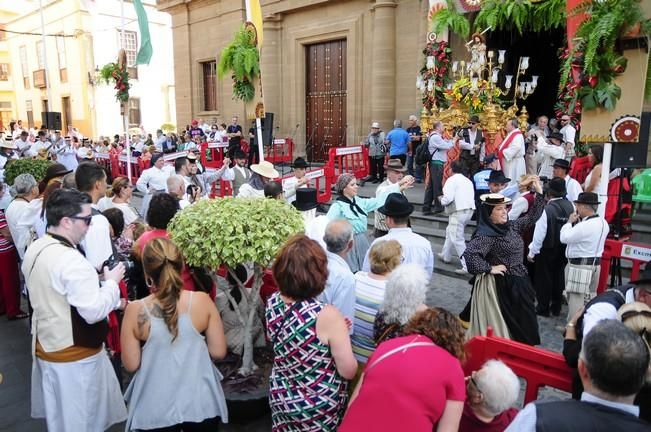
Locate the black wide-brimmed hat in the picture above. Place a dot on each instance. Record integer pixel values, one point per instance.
(305, 199)
(557, 135)
(55, 170)
(395, 165)
(589, 198)
(556, 187)
(299, 162)
(396, 205)
(497, 176)
(645, 276)
(562, 163)
(494, 199)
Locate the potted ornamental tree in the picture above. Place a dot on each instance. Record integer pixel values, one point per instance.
(225, 233)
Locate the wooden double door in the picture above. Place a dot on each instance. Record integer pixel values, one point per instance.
(325, 98)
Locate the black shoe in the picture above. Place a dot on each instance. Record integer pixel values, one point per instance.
(542, 313)
(427, 212)
(556, 309)
(439, 210)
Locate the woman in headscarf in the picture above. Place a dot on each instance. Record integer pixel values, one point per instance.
(502, 295)
(355, 210)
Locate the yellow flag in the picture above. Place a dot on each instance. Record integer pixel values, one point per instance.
(254, 15)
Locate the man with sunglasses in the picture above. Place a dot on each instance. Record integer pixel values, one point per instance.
(569, 136)
(69, 323)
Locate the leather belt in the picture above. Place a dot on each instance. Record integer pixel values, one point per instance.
(584, 261)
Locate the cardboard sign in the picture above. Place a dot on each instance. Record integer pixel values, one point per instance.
(636, 252)
(341, 151)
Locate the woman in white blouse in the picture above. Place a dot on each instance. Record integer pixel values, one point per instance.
(120, 198)
(152, 180)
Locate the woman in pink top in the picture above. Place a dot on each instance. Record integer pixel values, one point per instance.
(414, 382)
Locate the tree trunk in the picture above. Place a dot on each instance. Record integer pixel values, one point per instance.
(248, 365)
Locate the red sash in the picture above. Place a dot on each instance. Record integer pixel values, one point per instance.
(505, 144)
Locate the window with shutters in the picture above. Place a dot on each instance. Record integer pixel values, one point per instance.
(130, 44)
(4, 71)
(209, 85)
(134, 112)
(61, 55)
(24, 65)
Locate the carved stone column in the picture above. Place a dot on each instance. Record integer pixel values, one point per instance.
(383, 65)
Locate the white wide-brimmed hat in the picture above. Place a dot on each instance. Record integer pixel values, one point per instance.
(265, 169)
(375, 125)
(7, 144)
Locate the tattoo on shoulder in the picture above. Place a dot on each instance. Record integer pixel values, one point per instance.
(142, 317)
(156, 310)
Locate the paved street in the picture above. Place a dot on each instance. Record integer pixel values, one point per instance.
(15, 360)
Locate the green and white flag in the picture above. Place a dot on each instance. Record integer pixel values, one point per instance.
(145, 51)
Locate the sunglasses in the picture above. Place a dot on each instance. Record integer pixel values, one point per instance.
(472, 123)
(86, 219)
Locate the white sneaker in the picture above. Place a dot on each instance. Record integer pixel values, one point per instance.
(442, 258)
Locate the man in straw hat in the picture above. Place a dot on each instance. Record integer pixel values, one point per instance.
(584, 234)
(7, 153)
(262, 173)
(395, 172)
(377, 150)
(548, 251)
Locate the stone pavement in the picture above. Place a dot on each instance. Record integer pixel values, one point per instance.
(15, 360)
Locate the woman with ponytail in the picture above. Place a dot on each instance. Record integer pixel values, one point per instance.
(176, 385)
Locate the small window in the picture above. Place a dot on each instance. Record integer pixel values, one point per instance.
(209, 85)
(134, 112)
(61, 55)
(40, 54)
(4, 71)
(24, 66)
(130, 44)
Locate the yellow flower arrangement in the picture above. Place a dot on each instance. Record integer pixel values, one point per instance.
(462, 92)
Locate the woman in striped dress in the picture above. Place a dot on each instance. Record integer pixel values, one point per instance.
(313, 357)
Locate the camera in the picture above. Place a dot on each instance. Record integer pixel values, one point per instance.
(191, 189)
(131, 272)
(116, 259)
(464, 133)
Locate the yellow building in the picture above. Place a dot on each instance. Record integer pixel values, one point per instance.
(82, 36)
(7, 96)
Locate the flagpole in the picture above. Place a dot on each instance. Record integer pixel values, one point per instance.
(50, 102)
(258, 121)
(125, 105)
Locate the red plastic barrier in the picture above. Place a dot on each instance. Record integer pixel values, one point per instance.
(280, 151)
(216, 151)
(352, 160)
(580, 168)
(538, 367)
(319, 179)
(637, 253)
(121, 163)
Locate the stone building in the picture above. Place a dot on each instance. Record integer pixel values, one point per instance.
(329, 67)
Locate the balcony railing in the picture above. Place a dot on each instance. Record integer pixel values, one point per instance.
(39, 78)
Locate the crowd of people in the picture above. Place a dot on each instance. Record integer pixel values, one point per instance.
(355, 346)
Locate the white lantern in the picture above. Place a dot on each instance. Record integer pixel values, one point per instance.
(534, 81)
(430, 62)
(522, 89)
(474, 83)
(500, 58)
(529, 87)
(507, 84)
(524, 63)
(430, 85)
(494, 76)
(455, 66)
(419, 81)
(491, 54)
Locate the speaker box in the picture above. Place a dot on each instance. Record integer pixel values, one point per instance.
(51, 120)
(267, 128)
(633, 154)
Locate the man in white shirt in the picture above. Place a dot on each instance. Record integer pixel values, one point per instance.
(561, 169)
(22, 211)
(416, 249)
(24, 146)
(340, 285)
(438, 148)
(204, 179)
(613, 366)
(298, 181)
(91, 179)
(69, 326)
(7, 153)
(458, 199)
(241, 174)
(569, 136)
(152, 180)
(160, 141)
(176, 187)
(584, 234)
(548, 152)
(395, 172)
(548, 251)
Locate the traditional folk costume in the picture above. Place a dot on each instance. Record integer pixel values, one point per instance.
(74, 385)
(511, 155)
(585, 245)
(504, 302)
(152, 178)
